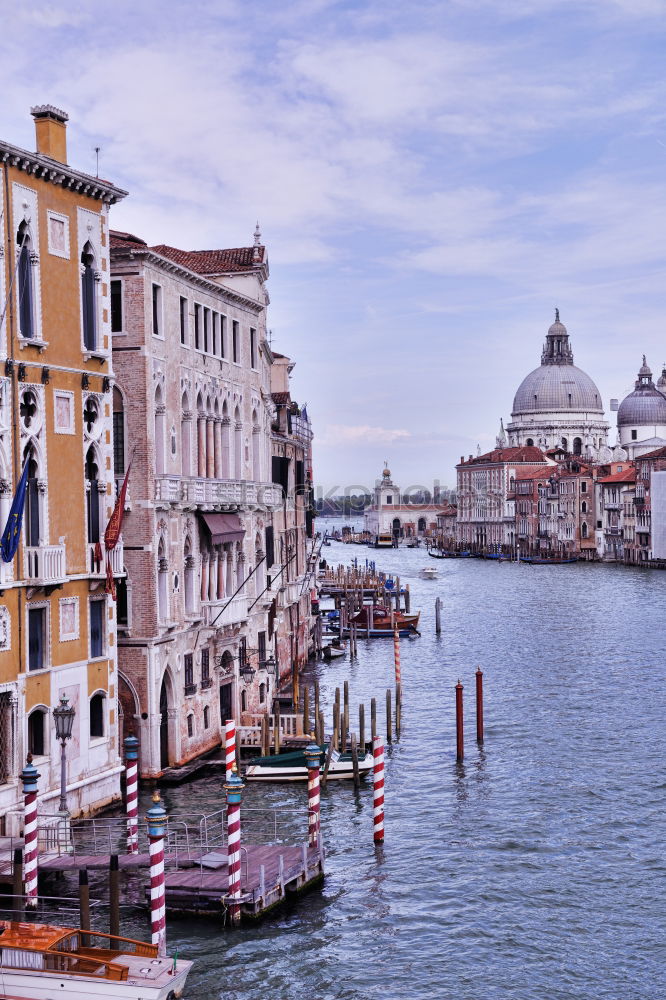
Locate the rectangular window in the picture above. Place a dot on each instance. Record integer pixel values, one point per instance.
(253, 348)
(157, 311)
(270, 547)
(389, 499)
(206, 329)
(242, 652)
(183, 320)
(205, 668)
(223, 336)
(235, 345)
(36, 638)
(96, 629)
(118, 443)
(634, 435)
(197, 326)
(116, 306)
(188, 663)
(261, 643)
(216, 319)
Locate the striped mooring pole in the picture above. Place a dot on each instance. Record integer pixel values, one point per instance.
(157, 821)
(378, 791)
(29, 776)
(229, 747)
(313, 761)
(131, 746)
(396, 655)
(234, 789)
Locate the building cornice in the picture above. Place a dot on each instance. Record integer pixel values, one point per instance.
(118, 255)
(52, 171)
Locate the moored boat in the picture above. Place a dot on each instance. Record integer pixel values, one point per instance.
(384, 622)
(40, 961)
(332, 652)
(292, 766)
(545, 561)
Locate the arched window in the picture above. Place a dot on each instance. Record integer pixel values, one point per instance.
(92, 496)
(37, 732)
(262, 693)
(243, 701)
(583, 530)
(565, 444)
(238, 445)
(422, 524)
(97, 715)
(160, 410)
(256, 448)
(584, 507)
(162, 582)
(26, 294)
(190, 726)
(206, 717)
(189, 577)
(185, 431)
(530, 442)
(31, 515)
(577, 446)
(89, 297)
(118, 433)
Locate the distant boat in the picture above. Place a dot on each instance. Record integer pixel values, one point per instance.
(544, 561)
(428, 573)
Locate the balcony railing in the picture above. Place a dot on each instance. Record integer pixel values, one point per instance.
(214, 492)
(44, 563)
(97, 568)
(234, 612)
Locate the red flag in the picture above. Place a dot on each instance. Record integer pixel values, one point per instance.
(110, 586)
(113, 528)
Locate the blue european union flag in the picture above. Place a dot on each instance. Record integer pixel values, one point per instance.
(12, 532)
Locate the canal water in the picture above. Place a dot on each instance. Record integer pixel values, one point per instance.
(535, 870)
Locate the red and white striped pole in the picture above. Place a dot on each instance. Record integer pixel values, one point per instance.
(157, 820)
(131, 745)
(313, 761)
(396, 654)
(234, 787)
(229, 747)
(29, 776)
(378, 791)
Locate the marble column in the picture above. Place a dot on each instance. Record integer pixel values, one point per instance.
(210, 449)
(212, 576)
(218, 448)
(221, 566)
(204, 576)
(201, 429)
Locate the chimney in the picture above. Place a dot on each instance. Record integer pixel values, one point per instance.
(50, 131)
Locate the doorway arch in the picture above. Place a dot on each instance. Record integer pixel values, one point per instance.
(166, 701)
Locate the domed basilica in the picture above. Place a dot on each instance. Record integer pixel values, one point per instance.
(557, 405)
(641, 417)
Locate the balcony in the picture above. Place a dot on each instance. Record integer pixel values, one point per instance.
(612, 505)
(235, 612)
(217, 492)
(97, 569)
(44, 564)
(292, 592)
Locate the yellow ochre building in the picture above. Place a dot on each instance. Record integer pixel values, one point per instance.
(57, 623)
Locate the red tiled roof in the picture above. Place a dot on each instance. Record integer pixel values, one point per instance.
(281, 398)
(118, 239)
(523, 454)
(449, 511)
(657, 453)
(627, 476)
(533, 472)
(214, 261)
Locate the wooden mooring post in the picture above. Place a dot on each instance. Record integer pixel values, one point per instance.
(354, 757)
(306, 709)
(438, 616)
(84, 905)
(398, 709)
(17, 884)
(373, 718)
(389, 717)
(479, 705)
(361, 727)
(460, 742)
(114, 896)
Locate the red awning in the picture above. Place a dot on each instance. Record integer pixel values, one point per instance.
(223, 528)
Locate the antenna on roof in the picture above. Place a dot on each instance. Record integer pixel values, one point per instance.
(97, 151)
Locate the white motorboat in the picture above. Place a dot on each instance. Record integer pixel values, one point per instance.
(428, 573)
(291, 766)
(41, 961)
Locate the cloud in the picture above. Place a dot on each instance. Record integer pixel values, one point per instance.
(342, 434)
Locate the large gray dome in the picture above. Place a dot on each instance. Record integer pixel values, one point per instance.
(646, 405)
(557, 387)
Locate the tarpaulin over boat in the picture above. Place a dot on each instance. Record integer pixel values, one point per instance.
(223, 528)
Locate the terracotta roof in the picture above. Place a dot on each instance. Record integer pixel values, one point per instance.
(627, 476)
(524, 454)
(449, 511)
(281, 398)
(214, 261)
(118, 239)
(657, 453)
(534, 472)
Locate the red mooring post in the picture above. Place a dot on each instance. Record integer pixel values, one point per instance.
(460, 742)
(479, 705)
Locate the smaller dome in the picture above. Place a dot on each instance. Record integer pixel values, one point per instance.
(661, 381)
(646, 405)
(557, 329)
(645, 369)
(386, 473)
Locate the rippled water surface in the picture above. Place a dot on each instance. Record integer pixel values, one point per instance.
(535, 870)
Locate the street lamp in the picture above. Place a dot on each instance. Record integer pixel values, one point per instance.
(63, 716)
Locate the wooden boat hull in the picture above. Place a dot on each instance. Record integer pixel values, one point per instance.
(42, 985)
(332, 652)
(536, 561)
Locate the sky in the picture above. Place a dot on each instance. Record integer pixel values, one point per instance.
(431, 180)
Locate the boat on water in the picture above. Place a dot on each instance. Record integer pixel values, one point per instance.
(384, 622)
(440, 554)
(332, 652)
(383, 541)
(544, 561)
(42, 961)
(292, 766)
(428, 573)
